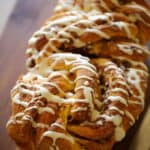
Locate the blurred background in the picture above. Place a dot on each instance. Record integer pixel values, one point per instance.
(6, 7)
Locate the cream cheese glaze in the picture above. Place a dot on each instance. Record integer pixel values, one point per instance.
(95, 96)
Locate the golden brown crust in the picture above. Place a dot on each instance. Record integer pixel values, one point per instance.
(100, 5)
(66, 101)
(89, 32)
(70, 102)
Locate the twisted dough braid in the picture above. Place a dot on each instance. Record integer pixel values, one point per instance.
(65, 99)
(69, 101)
(80, 32)
(90, 5)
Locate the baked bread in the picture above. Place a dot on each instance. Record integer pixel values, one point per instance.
(89, 32)
(85, 101)
(65, 100)
(90, 5)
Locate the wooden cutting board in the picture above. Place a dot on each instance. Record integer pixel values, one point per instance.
(27, 17)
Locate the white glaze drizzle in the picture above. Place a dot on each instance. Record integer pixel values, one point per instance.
(89, 96)
(62, 74)
(83, 77)
(134, 79)
(117, 98)
(98, 32)
(57, 87)
(70, 59)
(136, 6)
(115, 119)
(65, 34)
(34, 124)
(69, 56)
(119, 132)
(69, 94)
(134, 63)
(79, 109)
(116, 109)
(141, 19)
(41, 109)
(57, 135)
(13, 120)
(29, 92)
(110, 67)
(83, 67)
(130, 116)
(127, 48)
(134, 102)
(74, 100)
(64, 5)
(104, 5)
(120, 82)
(115, 2)
(83, 87)
(125, 26)
(104, 17)
(58, 125)
(16, 100)
(119, 90)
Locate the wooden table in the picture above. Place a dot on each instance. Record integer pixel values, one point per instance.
(27, 16)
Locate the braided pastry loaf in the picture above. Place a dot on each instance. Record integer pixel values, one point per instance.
(69, 101)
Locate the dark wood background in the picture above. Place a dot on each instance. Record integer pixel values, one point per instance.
(27, 17)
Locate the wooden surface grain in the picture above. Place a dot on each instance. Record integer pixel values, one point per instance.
(27, 16)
